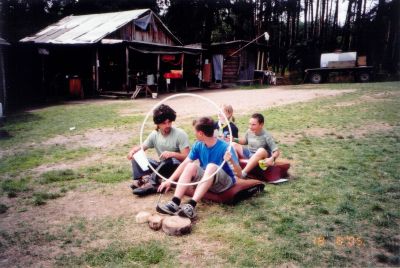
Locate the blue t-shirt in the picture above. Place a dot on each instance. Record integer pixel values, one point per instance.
(214, 154)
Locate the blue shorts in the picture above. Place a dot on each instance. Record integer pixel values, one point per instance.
(247, 154)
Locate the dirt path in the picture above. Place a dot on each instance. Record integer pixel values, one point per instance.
(243, 101)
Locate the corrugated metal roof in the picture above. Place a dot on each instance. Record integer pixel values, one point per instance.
(3, 42)
(84, 29)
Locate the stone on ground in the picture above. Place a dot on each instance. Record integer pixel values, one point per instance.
(176, 225)
(143, 217)
(155, 222)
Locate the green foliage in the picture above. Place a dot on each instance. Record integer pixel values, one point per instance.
(24, 160)
(3, 208)
(108, 173)
(14, 186)
(40, 198)
(143, 254)
(59, 176)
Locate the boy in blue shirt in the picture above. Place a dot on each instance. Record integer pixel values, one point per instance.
(211, 152)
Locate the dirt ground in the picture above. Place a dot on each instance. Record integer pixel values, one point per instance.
(243, 101)
(105, 202)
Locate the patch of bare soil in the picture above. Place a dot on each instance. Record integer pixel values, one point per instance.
(108, 214)
(202, 252)
(88, 161)
(369, 129)
(377, 97)
(114, 201)
(98, 138)
(287, 265)
(358, 132)
(346, 103)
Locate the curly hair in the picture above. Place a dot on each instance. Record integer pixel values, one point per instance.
(162, 113)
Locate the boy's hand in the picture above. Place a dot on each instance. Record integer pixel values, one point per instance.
(164, 185)
(166, 155)
(131, 153)
(227, 156)
(227, 138)
(269, 161)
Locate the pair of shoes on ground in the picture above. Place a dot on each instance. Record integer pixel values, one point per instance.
(170, 208)
(143, 186)
(140, 182)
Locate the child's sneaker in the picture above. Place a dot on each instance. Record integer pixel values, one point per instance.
(187, 211)
(168, 208)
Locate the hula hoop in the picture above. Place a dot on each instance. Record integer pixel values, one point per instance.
(177, 96)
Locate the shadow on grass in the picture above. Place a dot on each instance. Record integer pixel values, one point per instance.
(23, 117)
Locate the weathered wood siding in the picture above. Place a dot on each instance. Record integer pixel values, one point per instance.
(231, 66)
(130, 32)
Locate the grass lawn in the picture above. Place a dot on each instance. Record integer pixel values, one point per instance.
(341, 207)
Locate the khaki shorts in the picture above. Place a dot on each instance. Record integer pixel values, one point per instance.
(222, 181)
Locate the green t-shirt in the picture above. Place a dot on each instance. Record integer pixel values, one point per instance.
(262, 140)
(175, 141)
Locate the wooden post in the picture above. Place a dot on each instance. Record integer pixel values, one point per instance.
(183, 60)
(3, 83)
(158, 71)
(201, 68)
(43, 89)
(97, 68)
(127, 68)
(262, 60)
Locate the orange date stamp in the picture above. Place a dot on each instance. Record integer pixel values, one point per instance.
(340, 241)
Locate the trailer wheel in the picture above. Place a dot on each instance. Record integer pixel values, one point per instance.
(363, 77)
(316, 78)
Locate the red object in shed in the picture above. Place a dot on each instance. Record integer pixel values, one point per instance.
(174, 74)
(75, 87)
(207, 73)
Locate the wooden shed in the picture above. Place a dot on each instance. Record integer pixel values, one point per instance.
(111, 52)
(234, 62)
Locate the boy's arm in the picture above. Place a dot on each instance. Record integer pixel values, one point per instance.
(270, 161)
(184, 148)
(241, 141)
(148, 143)
(174, 177)
(179, 170)
(181, 156)
(135, 149)
(233, 164)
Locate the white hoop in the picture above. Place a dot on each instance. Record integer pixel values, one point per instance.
(177, 96)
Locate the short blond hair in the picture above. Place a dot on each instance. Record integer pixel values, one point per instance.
(227, 108)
